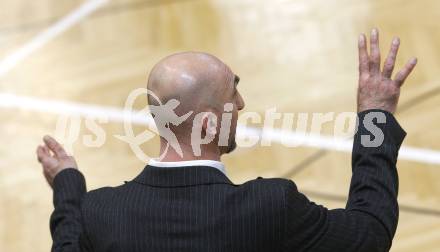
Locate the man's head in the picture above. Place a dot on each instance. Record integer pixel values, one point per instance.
(200, 83)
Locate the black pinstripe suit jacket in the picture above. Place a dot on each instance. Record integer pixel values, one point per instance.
(200, 209)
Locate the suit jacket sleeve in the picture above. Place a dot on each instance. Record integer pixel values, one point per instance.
(369, 221)
(65, 223)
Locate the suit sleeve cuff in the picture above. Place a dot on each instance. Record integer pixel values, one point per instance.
(68, 185)
(391, 128)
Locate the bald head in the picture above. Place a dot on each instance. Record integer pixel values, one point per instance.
(191, 84)
(195, 79)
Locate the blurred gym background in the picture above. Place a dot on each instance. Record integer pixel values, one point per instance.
(61, 57)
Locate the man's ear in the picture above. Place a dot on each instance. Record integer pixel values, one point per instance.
(209, 124)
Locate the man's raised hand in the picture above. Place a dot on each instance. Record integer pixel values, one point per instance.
(54, 159)
(377, 89)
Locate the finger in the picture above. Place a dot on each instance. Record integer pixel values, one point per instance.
(405, 72)
(54, 146)
(375, 52)
(43, 157)
(49, 154)
(40, 153)
(363, 56)
(47, 151)
(390, 62)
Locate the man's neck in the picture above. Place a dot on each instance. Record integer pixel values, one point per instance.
(172, 156)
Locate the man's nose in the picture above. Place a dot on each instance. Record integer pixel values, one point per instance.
(241, 103)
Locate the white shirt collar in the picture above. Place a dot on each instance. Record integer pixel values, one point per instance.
(212, 163)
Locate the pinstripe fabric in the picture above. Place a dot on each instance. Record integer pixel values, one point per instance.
(199, 209)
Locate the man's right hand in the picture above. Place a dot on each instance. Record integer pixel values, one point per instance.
(54, 159)
(377, 90)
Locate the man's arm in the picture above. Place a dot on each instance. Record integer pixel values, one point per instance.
(66, 227)
(69, 187)
(369, 221)
(375, 183)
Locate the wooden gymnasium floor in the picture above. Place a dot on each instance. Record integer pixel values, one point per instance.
(297, 55)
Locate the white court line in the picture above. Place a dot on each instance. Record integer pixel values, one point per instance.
(115, 114)
(41, 39)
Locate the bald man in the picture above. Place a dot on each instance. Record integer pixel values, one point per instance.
(185, 201)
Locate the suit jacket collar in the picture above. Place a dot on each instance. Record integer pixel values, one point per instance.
(181, 176)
